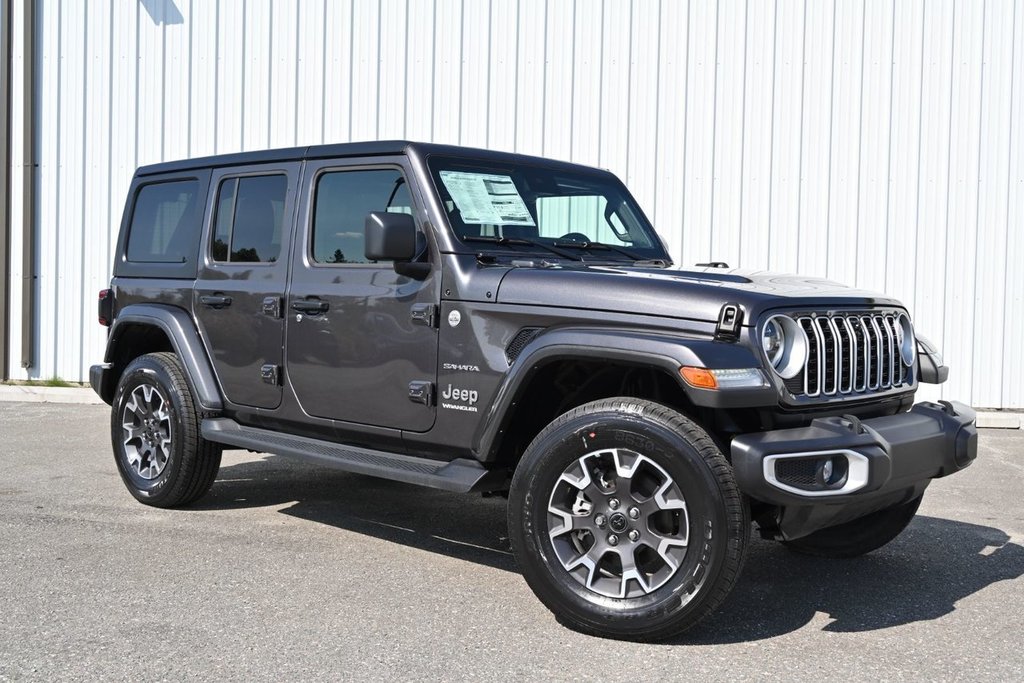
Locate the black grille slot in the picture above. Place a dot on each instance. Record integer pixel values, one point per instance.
(861, 373)
(829, 360)
(519, 342)
(812, 385)
(798, 472)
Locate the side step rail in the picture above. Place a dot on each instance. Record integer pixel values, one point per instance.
(462, 475)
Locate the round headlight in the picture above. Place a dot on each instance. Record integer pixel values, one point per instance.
(773, 341)
(784, 345)
(905, 338)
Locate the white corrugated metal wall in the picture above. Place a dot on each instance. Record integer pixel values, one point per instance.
(877, 143)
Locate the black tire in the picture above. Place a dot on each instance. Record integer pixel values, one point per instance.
(189, 462)
(860, 536)
(716, 515)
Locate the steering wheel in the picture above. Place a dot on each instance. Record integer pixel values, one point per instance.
(576, 237)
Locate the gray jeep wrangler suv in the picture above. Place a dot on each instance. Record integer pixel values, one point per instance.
(479, 321)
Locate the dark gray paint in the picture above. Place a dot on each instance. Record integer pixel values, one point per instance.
(240, 337)
(354, 362)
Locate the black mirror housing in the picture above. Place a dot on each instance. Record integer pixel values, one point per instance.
(390, 236)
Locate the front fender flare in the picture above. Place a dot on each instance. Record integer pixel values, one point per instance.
(177, 324)
(665, 351)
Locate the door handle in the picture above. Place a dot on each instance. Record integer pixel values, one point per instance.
(215, 300)
(310, 306)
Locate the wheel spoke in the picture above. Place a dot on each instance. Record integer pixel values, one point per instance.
(146, 430)
(625, 512)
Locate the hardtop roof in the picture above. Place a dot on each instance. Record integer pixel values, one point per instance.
(346, 149)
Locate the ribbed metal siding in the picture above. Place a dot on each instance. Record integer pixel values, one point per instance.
(876, 143)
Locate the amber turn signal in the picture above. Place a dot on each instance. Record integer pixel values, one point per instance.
(701, 378)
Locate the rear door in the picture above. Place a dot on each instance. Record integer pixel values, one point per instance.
(362, 342)
(237, 299)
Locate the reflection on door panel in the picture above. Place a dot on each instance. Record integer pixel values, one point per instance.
(355, 359)
(245, 245)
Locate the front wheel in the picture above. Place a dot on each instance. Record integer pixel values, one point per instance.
(626, 521)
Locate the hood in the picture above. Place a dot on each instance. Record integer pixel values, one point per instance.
(695, 294)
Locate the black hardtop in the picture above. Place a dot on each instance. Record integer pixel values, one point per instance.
(345, 149)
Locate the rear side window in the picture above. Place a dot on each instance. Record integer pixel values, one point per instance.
(163, 226)
(343, 200)
(250, 213)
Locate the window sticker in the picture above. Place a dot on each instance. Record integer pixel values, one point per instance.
(486, 199)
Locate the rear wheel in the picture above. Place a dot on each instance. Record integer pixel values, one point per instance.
(860, 536)
(626, 521)
(154, 428)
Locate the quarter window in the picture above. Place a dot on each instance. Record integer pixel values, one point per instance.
(164, 223)
(250, 213)
(343, 200)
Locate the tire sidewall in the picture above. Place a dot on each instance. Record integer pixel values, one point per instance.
(149, 371)
(691, 585)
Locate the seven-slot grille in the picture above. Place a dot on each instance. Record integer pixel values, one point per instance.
(850, 354)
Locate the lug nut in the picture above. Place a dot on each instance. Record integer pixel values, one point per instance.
(634, 512)
(613, 503)
(613, 539)
(600, 521)
(634, 535)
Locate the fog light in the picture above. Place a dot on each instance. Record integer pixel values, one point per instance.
(826, 471)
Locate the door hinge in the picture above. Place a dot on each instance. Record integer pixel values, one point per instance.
(271, 374)
(421, 392)
(424, 314)
(272, 306)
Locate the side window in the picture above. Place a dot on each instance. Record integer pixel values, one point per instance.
(164, 223)
(343, 199)
(250, 213)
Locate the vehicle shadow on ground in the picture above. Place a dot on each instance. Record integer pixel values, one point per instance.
(920, 576)
(464, 526)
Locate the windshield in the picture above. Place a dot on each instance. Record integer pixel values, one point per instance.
(572, 213)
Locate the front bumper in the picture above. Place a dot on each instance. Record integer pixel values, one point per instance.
(887, 460)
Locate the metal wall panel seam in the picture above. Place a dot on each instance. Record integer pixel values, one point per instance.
(831, 142)
(977, 201)
(800, 157)
(771, 127)
(714, 140)
(1008, 382)
(860, 142)
(743, 126)
(84, 170)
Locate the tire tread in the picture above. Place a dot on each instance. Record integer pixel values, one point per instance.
(736, 509)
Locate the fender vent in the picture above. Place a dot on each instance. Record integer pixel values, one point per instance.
(519, 342)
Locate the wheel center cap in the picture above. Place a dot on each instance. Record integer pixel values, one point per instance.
(618, 522)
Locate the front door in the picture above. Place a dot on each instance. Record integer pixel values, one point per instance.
(238, 296)
(361, 339)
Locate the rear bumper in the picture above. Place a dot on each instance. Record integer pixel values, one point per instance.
(878, 462)
(99, 380)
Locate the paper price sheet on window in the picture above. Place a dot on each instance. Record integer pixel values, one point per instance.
(486, 199)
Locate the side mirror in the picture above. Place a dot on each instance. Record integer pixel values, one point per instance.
(390, 236)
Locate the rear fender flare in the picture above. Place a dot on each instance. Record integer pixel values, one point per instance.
(177, 324)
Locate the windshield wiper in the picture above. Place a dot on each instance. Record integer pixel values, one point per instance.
(611, 247)
(505, 241)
